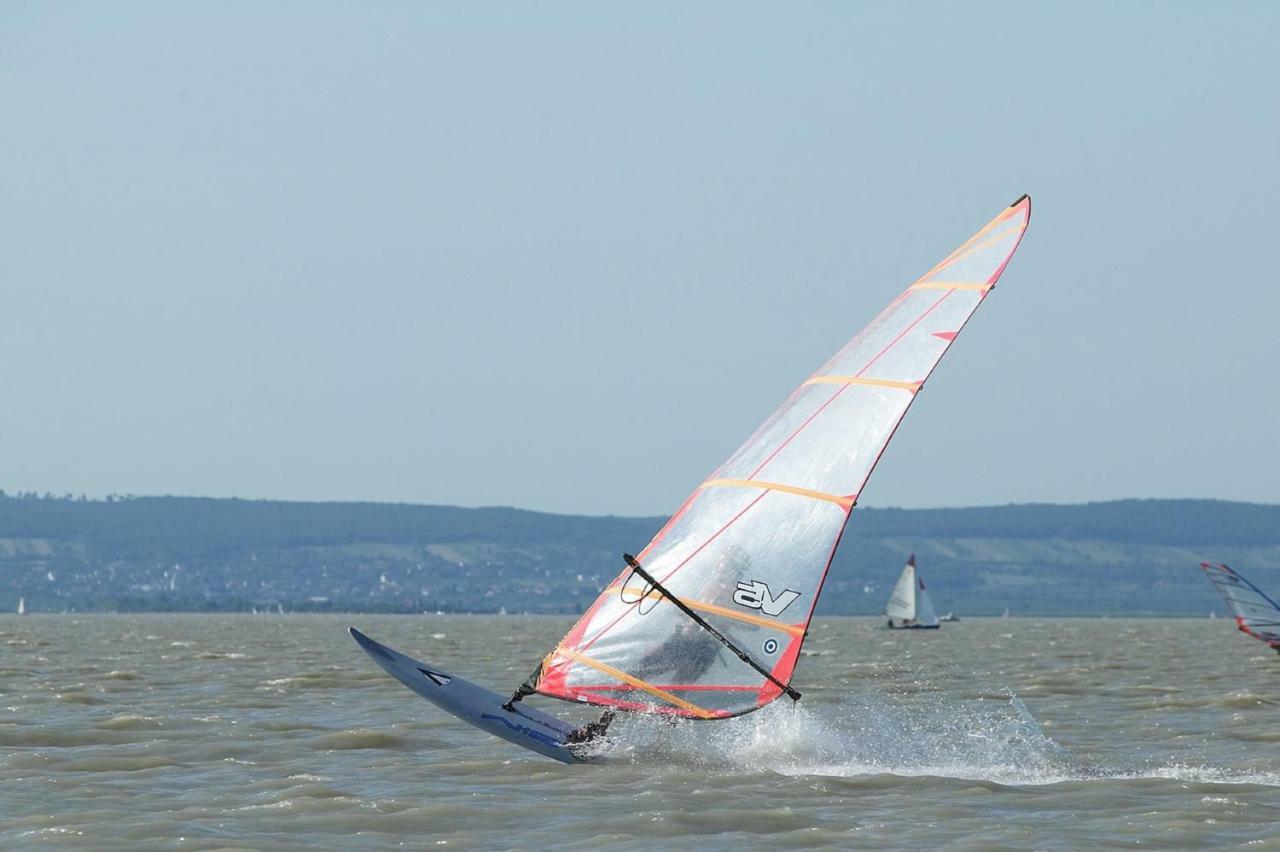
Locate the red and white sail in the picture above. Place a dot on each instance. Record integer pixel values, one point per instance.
(750, 548)
(1256, 614)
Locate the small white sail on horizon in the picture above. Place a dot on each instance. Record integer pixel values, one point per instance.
(909, 606)
(22, 606)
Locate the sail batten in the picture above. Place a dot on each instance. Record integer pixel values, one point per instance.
(846, 500)
(859, 380)
(702, 606)
(627, 679)
(980, 286)
(750, 549)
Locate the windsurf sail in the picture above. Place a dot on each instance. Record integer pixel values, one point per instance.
(902, 601)
(1256, 614)
(750, 548)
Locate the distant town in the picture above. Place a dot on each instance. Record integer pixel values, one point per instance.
(166, 554)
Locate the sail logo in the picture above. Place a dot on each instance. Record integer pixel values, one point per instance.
(756, 595)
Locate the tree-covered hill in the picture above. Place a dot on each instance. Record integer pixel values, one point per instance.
(165, 553)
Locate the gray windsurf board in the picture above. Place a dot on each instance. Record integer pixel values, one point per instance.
(527, 727)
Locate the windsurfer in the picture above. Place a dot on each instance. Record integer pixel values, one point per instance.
(591, 731)
(686, 654)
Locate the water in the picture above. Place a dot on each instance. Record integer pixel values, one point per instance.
(277, 732)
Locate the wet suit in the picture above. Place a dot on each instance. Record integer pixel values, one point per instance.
(686, 655)
(590, 731)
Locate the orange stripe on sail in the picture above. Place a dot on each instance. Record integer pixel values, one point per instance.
(861, 380)
(637, 683)
(972, 244)
(716, 609)
(951, 285)
(845, 502)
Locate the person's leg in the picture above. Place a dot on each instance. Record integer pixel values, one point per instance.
(591, 730)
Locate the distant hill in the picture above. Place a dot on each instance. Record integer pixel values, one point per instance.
(197, 554)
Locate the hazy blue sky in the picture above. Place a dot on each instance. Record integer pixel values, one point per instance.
(567, 256)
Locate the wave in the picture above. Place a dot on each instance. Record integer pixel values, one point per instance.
(120, 674)
(993, 742)
(361, 738)
(131, 722)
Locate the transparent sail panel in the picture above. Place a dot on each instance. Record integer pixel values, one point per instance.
(906, 342)
(844, 428)
(749, 561)
(750, 549)
(1255, 613)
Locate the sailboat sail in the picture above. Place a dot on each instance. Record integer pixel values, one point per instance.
(926, 615)
(750, 548)
(902, 602)
(1256, 614)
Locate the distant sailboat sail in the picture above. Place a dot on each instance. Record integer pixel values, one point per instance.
(909, 604)
(1256, 614)
(747, 552)
(926, 615)
(22, 606)
(902, 601)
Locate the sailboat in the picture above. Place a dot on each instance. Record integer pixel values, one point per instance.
(909, 606)
(22, 606)
(1256, 614)
(707, 621)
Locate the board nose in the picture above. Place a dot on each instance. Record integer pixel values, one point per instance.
(372, 647)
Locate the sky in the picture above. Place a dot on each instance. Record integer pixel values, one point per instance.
(567, 256)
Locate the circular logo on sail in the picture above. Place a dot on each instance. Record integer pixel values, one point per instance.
(771, 646)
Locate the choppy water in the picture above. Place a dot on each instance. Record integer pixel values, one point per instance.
(278, 732)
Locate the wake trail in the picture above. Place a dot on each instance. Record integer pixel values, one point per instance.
(994, 741)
